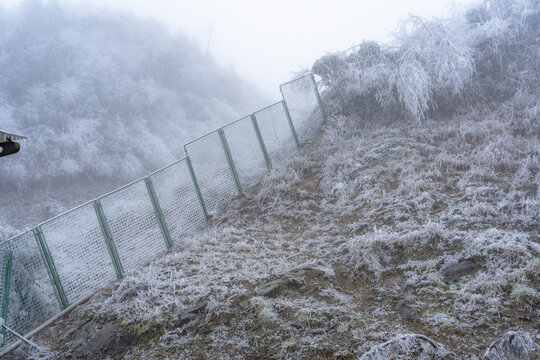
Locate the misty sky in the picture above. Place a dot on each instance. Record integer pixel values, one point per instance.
(265, 41)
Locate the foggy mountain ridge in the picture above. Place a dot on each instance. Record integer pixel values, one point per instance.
(103, 98)
(407, 230)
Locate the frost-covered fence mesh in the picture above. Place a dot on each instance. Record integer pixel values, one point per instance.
(79, 252)
(305, 108)
(246, 152)
(72, 255)
(212, 171)
(276, 132)
(133, 224)
(178, 198)
(32, 297)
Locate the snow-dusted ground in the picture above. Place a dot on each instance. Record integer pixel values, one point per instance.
(373, 232)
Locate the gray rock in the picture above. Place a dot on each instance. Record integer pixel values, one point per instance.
(409, 346)
(195, 309)
(271, 289)
(464, 267)
(97, 340)
(191, 313)
(274, 288)
(406, 311)
(85, 331)
(185, 318)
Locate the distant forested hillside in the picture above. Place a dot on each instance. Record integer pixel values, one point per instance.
(103, 98)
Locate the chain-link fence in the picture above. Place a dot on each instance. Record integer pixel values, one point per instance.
(179, 201)
(66, 258)
(32, 295)
(276, 132)
(305, 107)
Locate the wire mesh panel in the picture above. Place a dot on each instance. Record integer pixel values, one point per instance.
(212, 170)
(276, 132)
(302, 101)
(178, 199)
(79, 252)
(32, 298)
(133, 224)
(246, 152)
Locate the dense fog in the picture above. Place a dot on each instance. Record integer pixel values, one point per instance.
(103, 98)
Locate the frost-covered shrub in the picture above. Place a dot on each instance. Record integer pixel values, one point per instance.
(437, 67)
(504, 35)
(264, 311)
(359, 82)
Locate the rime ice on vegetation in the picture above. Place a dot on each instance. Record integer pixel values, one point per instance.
(415, 212)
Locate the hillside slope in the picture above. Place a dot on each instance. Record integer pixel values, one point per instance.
(370, 233)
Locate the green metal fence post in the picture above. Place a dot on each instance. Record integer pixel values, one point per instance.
(289, 119)
(318, 98)
(196, 185)
(38, 234)
(261, 141)
(159, 213)
(5, 295)
(227, 151)
(104, 225)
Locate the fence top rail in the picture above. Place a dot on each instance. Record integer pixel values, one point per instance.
(242, 118)
(64, 213)
(120, 188)
(268, 107)
(296, 79)
(236, 121)
(167, 166)
(216, 130)
(202, 136)
(5, 241)
(138, 180)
